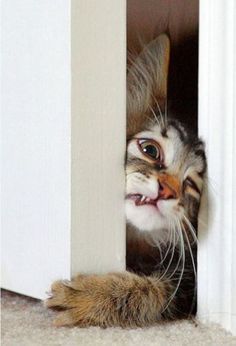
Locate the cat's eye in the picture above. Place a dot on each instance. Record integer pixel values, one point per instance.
(151, 149)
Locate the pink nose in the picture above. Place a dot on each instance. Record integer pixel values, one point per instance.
(166, 192)
(169, 186)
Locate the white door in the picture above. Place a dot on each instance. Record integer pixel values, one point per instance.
(63, 140)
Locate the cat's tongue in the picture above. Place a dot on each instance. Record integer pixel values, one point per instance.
(142, 200)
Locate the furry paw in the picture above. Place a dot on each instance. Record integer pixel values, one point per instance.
(74, 301)
(107, 300)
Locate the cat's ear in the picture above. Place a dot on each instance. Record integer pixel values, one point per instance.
(147, 77)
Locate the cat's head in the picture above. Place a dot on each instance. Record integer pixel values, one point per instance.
(165, 164)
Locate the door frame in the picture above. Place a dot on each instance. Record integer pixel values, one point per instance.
(217, 126)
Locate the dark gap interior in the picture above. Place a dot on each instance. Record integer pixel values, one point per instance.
(179, 19)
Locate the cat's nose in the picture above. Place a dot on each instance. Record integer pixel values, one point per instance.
(169, 187)
(166, 192)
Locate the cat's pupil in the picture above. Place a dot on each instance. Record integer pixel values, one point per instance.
(151, 151)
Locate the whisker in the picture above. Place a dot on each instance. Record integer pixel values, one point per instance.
(149, 118)
(155, 116)
(166, 112)
(191, 229)
(173, 251)
(190, 249)
(182, 270)
(160, 112)
(178, 262)
(169, 246)
(160, 252)
(211, 184)
(194, 270)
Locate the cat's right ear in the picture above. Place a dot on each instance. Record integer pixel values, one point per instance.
(147, 78)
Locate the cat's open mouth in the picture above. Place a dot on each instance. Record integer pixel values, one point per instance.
(142, 200)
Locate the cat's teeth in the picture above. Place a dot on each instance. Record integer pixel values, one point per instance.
(143, 198)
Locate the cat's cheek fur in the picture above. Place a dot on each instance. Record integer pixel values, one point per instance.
(170, 209)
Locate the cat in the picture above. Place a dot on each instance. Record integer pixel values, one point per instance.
(165, 168)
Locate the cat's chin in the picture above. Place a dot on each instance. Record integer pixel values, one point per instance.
(145, 218)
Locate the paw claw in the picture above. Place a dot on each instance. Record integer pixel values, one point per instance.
(57, 297)
(49, 294)
(67, 283)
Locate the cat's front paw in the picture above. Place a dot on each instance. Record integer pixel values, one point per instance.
(75, 302)
(86, 300)
(119, 299)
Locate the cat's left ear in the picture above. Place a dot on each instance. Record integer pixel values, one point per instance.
(147, 78)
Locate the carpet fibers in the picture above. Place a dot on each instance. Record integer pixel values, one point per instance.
(26, 322)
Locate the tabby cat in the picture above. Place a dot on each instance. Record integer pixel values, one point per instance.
(165, 167)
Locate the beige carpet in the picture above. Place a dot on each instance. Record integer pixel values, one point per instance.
(25, 322)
